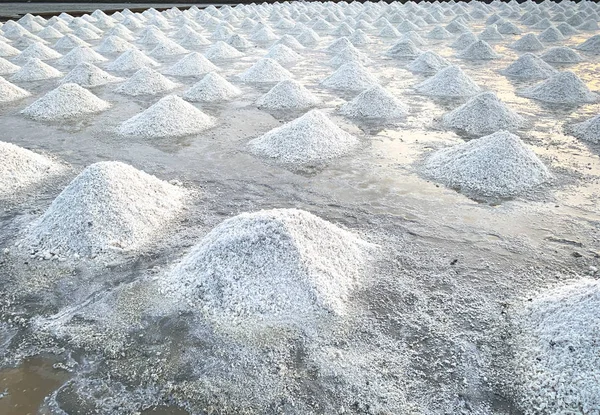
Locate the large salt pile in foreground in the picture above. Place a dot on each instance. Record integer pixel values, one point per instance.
(288, 95)
(308, 140)
(449, 82)
(498, 166)
(169, 117)
(588, 130)
(109, 206)
(265, 70)
(351, 76)
(88, 75)
(280, 267)
(10, 92)
(193, 64)
(146, 81)
(564, 87)
(66, 101)
(529, 66)
(375, 103)
(483, 114)
(212, 88)
(35, 70)
(557, 359)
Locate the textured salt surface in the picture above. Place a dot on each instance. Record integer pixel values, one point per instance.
(404, 49)
(146, 81)
(288, 95)
(563, 87)
(463, 41)
(222, 51)
(81, 54)
(588, 130)
(449, 82)
(35, 70)
(561, 54)
(428, 63)
(7, 68)
(351, 76)
(375, 103)
(36, 50)
(212, 88)
(591, 45)
(131, 60)
(114, 44)
(529, 66)
(88, 75)
(10, 92)
(283, 54)
(265, 70)
(527, 43)
(193, 64)
(479, 50)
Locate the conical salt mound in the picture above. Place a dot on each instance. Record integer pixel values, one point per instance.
(351, 76)
(282, 267)
(108, 207)
(114, 44)
(449, 82)
(10, 92)
(552, 34)
(167, 47)
(288, 95)
(290, 42)
(464, 41)
(589, 25)
(146, 81)
(592, 45)
(339, 44)
(508, 28)
(193, 64)
(49, 33)
(89, 75)
(37, 50)
(479, 50)
(561, 54)
(404, 49)
(81, 54)
(222, 51)
(66, 101)
(309, 37)
(497, 166)
(131, 60)
(528, 43)
(439, 33)
(529, 66)
(283, 55)
(169, 117)
(265, 70)
(309, 140)
(588, 130)
(491, 33)
(483, 114)
(239, 42)
(428, 63)
(70, 41)
(359, 38)
(7, 50)
(563, 87)
(194, 39)
(7, 68)
(349, 54)
(375, 103)
(566, 29)
(263, 35)
(35, 70)
(212, 88)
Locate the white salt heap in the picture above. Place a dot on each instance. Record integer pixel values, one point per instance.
(439, 33)
(561, 54)
(66, 101)
(169, 117)
(527, 43)
(529, 66)
(498, 166)
(108, 207)
(283, 54)
(7, 68)
(212, 88)
(483, 114)
(591, 45)
(349, 54)
(351, 76)
(131, 60)
(479, 50)
(81, 54)
(288, 95)
(550, 35)
(265, 70)
(311, 139)
(449, 82)
(280, 267)
(114, 44)
(88, 75)
(491, 33)
(70, 41)
(428, 63)
(10, 92)
(588, 130)
(146, 81)
(463, 41)
(375, 103)
(7, 50)
(193, 64)
(167, 47)
(35, 70)
(222, 51)
(37, 50)
(338, 45)
(239, 42)
(566, 29)
(404, 49)
(563, 87)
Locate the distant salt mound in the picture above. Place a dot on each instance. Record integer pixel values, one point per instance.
(449, 82)
(146, 81)
(439, 33)
(263, 35)
(592, 45)
(309, 38)
(288, 95)
(483, 114)
(375, 103)
(280, 267)
(81, 54)
(557, 353)
(338, 45)
(561, 54)
(193, 64)
(193, 39)
(550, 35)
(351, 76)
(388, 31)
(491, 33)
(239, 42)
(566, 29)
(66, 101)
(108, 207)
(291, 42)
(309, 140)
(222, 51)
(114, 44)
(415, 38)
(479, 50)
(88, 75)
(527, 43)
(359, 38)
(6, 50)
(428, 63)
(561, 88)
(529, 66)
(50, 33)
(508, 28)
(10, 92)
(70, 41)
(349, 54)
(212, 88)
(495, 166)
(588, 130)
(7, 68)
(167, 47)
(464, 41)
(35, 70)
(131, 60)
(265, 70)
(404, 49)
(590, 25)
(283, 54)
(37, 50)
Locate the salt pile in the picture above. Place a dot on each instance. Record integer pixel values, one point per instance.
(375, 103)
(193, 64)
(561, 54)
(222, 51)
(351, 76)
(359, 38)
(280, 267)
(311, 139)
(415, 38)
(591, 45)
(108, 207)
(498, 166)
(404, 49)
(283, 55)
(194, 39)
(338, 45)
(167, 47)
(114, 44)
(508, 28)
(527, 43)
(529, 66)
(10, 92)
(212, 88)
(85, 34)
(428, 63)
(464, 41)
(263, 35)
(7, 50)
(449, 82)
(146, 81)
(131, 60)
(439, 33)
(288, 95)
(349, 54)
(491, 33)
(239, 42)
(81, 54)
(265, 70)
(35, 70)
(49, 33)
(290, 42)
(588, 130)
(7, 68)
(309, 37)
(590, 25)
(563, 87)
(483, 114)
(88, 75)
(37, 50)
(566, 29)
(479, 50)
(169, 117)
(552, 34)
(70, 41)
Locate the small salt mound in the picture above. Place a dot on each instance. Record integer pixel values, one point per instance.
(527, 43)
(49, 33)
(151, 36)
(222, 51)
(375, 103)
(566, 29)
(85, 34)
(193, 64)
(89, 75)
(35, 70)
(351, 76)
(81, 54)
(290, 42)
(283, 54)
(10, 92)
(131, 60)
(491, 33)
(338, 45)
(561, 54)
(508, 28)
(483, 114)
(194, 39)
(167, 47)
(212, 88)
(439, 33)
(415, 38)
(108, 207)
(588, 130)
(66, 101)
(169, 117)
(263, 35)
(552, 34)
(407, 26)
(309, 37)
(464, 41)
(281, 267)
(404, 49)
(542, 24)
(349, 54)
(590, 25)
(6, 50)
(456, 27)
(563, 87)
(529, 66)
(498, 165)
(288, 95)
(449, 82)
(7, 68)
(389, 31)
(479, 50)
(70, 41)
(114, 44)
(359, 38)
(428, 63)
(37, 50)
(239, 42)
(343, 30)
(591, 45)
(146, 81)
(265, 70)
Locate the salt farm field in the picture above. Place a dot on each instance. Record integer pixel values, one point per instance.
(302, 208)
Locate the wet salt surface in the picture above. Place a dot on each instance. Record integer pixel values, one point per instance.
(460, 261)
